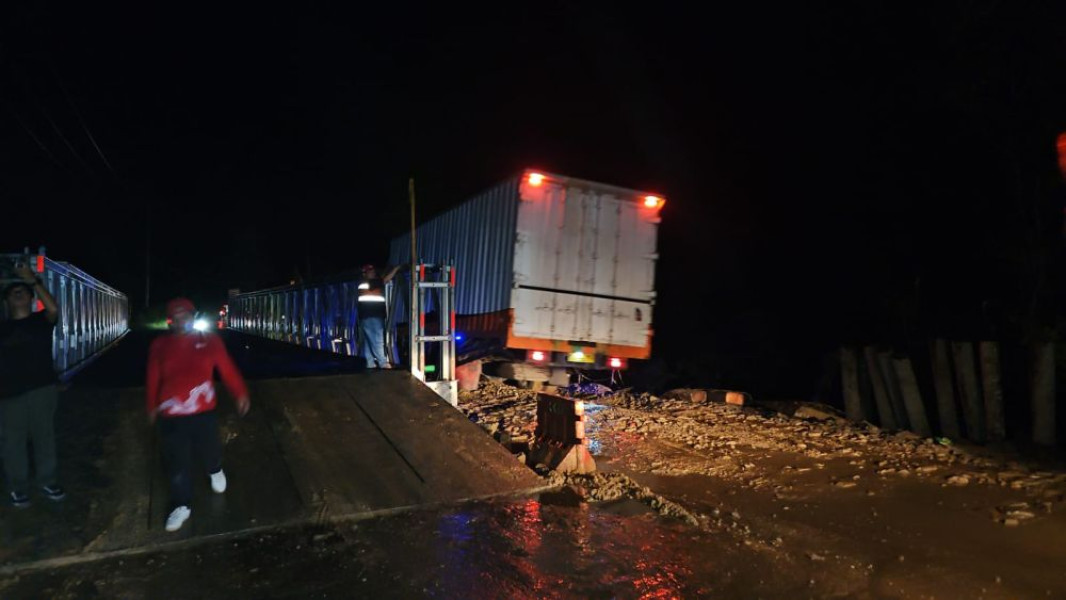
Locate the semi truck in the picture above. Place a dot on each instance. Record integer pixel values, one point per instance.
(557, 272)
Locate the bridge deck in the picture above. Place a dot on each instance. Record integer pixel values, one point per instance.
(311, 448)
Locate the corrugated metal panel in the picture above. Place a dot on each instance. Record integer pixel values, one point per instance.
(595, 242)
(320, 315)
(92, 314)
(479, 235)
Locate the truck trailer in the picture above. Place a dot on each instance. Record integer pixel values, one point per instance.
(558, 272)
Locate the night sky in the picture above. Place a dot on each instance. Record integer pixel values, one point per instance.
(833, 172)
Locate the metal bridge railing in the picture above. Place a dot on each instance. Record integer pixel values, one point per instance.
(324, 316)
(321, 315)
(92, 314)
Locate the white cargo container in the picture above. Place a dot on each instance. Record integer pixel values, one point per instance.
(558, 267)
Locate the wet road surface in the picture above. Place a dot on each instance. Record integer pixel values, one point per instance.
(791, 530)
(540, 547)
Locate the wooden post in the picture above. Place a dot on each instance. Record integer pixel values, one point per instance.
(1042, 388)
(885, 416)
(411, 199)
(414, 356)
(912, 396)
(849, 378)
(866, 389)
(895, 397)
(966, 376)
(945, 393)
(995, 426)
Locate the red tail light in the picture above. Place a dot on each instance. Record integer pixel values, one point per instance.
(538, 355)
(535, 179)
(654, 202)
(616, 363)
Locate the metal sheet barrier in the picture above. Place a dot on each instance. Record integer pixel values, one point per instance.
(324, 316)
(321, 316)
(92, 315)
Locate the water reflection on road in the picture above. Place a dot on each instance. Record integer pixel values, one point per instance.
(557, 547)
(592, 427)
(550, 546)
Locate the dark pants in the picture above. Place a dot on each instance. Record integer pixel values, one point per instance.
(30, 417)
(181, 437)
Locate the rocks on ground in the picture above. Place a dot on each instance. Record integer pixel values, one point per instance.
(688, 432)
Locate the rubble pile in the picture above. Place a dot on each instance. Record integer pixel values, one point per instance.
(501, 409)
(685, 433)
(605, 487)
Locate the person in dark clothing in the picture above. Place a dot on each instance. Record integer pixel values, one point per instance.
(372, 314)
(29, 391)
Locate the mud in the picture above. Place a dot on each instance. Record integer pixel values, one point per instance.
(692, 500)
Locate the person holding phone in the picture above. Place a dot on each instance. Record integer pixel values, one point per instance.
(29, 392)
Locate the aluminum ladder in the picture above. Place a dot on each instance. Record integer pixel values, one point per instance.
(426, 279)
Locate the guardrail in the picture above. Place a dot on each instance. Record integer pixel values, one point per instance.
(92, 315)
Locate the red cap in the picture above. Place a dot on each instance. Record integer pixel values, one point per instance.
(367, 267)
(180, 304)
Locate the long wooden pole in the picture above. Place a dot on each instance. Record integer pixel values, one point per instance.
(995, 425)
(412, 301)
(849, 376)
(895, 396)
(911, 395)
(411, 196)
(945, 392)
(969, 390)
(886, 416)
(1042, 390)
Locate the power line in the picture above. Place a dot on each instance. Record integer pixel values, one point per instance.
(67, 142)
(118, 180)
(33, 136)
(29, 91)
(77, 113)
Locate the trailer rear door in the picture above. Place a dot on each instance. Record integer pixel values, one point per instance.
(584, 263)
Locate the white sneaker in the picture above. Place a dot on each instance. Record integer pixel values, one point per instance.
(178, 517)
(218, 481)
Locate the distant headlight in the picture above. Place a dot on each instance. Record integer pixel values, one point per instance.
(200, 325)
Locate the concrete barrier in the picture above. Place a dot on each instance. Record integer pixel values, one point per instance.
(560, 441)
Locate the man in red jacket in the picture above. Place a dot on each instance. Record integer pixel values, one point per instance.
(181, 393)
